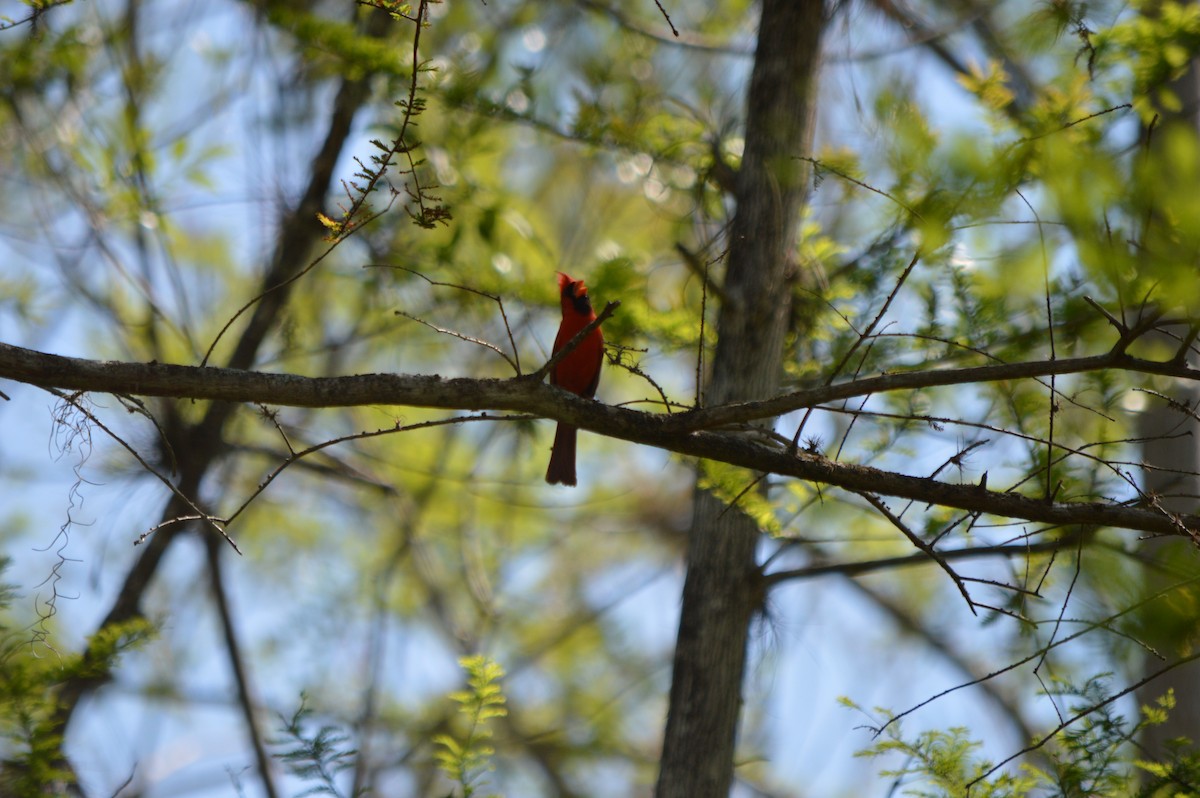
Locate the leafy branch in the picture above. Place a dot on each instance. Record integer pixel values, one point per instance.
(426, 214)
(357, 214)
(40, 7)
(1092, 753)
(314, 756)
(465, 762)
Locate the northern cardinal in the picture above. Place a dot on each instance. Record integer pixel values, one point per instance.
(578, 372)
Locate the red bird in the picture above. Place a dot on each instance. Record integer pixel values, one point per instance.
(578, 372)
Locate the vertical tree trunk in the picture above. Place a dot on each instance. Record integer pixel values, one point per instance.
(1168, 623)
(723, 588)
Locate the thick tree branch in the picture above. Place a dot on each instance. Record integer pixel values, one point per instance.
(914, 380)
(235, 385)
(671, 432)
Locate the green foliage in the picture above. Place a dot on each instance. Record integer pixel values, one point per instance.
(465, 759)
(990, 85)
(940, 764)
(1094, 755)
(572, 137)
(31, 759)
(337, 47)
(1178, 774)
(313, 755)
(740, 488)
(1156, 44)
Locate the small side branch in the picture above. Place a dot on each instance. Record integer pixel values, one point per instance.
(514, 361)
(463, 337)
(41, 8)
(73, 400)
(1083, 713)
(915, 539)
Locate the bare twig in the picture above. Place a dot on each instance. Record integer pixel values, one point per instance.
(820, 166)
(860, 567)
(1117, 324)
(915, 539)
(887, 303)
(1053, 410)
(284, 284)
(863, 336)
(354, 436)
(241, 672)
(687, 40)
(699, 268)
(73, 400)
(34, 15)
(463, 337)
(667, 17)
(516, 356)
(1079, 121)
(619, 361)
(1090, 626)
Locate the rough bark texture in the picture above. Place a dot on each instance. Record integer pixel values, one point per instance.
(689, 433)
(723, 588)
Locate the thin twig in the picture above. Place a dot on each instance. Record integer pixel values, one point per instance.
(1083, 713)
(667, 17)
(355, 436)
(212, 521)
(516, 358)
(1053, 352)
(863, 336)
(691, 259)
(36, 14)
(1117, 324)
(347, 226)
(887, 303)
(1105, 624)
(1074, 122)
(687, 40)
(241, 670)
(284, 284)
(462, 337)
(915, 539)
(860, 567)
(618, 360)
(821, 165)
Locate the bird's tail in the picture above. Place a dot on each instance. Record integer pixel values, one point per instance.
(562, 458)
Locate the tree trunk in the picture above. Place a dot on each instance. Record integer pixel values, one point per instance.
(1169, 624)
(723, 588)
